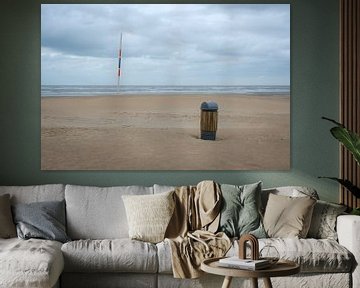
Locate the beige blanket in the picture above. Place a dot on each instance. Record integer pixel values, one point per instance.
(191, 231)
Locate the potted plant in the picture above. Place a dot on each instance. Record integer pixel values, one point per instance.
(351, 141)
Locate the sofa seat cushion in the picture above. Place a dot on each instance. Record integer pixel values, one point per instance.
(30, 263)
(115, 255)
(313, 255)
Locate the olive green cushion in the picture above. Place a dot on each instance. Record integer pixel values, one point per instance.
(240, 213)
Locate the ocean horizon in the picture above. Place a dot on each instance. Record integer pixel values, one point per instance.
(97, 90)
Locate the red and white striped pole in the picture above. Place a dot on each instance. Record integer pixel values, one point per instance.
(119, 66)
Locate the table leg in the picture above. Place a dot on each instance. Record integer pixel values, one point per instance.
(267, 283)
(227, 282)
(254, 282)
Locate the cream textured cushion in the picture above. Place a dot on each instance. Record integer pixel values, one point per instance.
(287, 217)
(149, 215)
(7, 226)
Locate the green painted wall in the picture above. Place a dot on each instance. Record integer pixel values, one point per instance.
(314, 93)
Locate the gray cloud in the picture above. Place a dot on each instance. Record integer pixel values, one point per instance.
(166, 44)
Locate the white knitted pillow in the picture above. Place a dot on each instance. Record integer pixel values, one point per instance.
(149, 215)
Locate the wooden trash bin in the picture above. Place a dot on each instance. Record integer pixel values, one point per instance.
(208, 120)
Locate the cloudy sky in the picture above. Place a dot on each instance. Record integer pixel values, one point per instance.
(173, 44)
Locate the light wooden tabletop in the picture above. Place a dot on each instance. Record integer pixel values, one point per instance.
(281, 268)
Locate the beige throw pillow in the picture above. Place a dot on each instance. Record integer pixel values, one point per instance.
(148, 215)
(288, 217)
(7, 226)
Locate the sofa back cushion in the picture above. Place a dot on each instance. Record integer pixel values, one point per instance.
(37, 193)
(163, 188)
(98, 212)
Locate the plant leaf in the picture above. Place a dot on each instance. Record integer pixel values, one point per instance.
(333, 121)
(349, 139)
(347, 184)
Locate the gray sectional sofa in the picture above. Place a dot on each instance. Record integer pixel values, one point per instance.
(100, 253)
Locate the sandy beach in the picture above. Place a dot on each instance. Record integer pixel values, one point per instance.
(159, 132)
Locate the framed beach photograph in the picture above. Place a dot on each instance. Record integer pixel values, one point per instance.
(165, 86)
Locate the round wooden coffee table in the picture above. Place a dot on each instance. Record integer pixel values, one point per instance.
(281, 268)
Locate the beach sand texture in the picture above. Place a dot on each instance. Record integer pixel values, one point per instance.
(159, 132)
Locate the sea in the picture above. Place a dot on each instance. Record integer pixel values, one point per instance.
(97, 90)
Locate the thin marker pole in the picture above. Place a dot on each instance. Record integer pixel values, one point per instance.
(119, 65)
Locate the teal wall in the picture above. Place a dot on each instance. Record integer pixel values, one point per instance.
(314, 93)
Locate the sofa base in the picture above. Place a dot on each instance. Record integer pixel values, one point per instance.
(134, 280)
(108, 280)
(309, 280)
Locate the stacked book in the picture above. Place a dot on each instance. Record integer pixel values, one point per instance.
(248, 264)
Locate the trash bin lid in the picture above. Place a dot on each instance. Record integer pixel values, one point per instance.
(209, 106)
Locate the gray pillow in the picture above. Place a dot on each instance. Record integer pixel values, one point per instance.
(323, 222)
(7, 227)
(240, 213)
(44, 220)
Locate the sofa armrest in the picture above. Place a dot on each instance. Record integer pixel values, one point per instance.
(348, 230)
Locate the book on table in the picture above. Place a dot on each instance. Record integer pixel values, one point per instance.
(236, 262)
